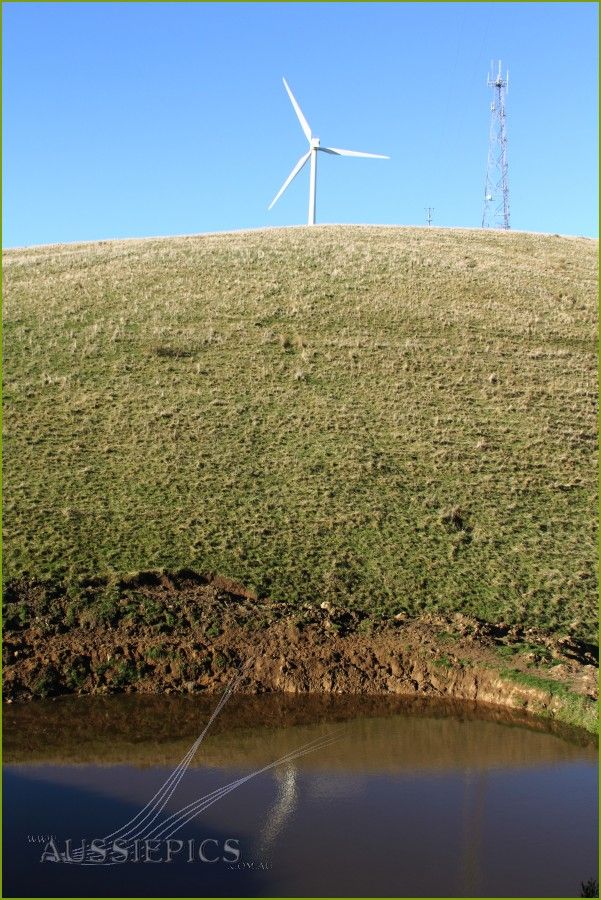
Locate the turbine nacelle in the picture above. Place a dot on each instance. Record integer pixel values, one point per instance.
(314, 145)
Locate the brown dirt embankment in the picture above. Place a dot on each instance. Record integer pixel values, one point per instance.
(187, 633)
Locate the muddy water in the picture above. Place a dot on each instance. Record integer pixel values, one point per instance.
(407, 799)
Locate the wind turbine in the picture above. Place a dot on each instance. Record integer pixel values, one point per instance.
(314, 147)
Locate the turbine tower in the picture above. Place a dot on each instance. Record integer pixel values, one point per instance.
(496, 189)
(314, 147)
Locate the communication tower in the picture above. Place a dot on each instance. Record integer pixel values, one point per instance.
(496, 189)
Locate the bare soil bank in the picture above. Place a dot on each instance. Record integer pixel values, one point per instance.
(188, 633)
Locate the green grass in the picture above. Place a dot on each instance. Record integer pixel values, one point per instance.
(443, 662)
(577, 710)
(396, 419)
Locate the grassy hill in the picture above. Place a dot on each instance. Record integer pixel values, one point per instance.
(392, 418)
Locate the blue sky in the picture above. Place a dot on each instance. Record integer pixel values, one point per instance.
(135, 119)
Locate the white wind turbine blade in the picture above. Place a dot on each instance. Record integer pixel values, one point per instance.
(299, 113)
(290, 178)
(338, 152)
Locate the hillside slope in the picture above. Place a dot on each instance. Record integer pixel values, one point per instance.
(393, 419)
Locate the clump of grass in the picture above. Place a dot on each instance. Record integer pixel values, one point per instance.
(102, 668)
(77, 674)
(589, 888)
(446, 635)
(16, 615)
(443, 662)
(173, 352)
(366, 626)
(47, 682)
(106, 607)
(124, 673)
(219, 661)
(506, 650)
(453, 518)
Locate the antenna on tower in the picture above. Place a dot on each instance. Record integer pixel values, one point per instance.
(496, 188)
(429, 211)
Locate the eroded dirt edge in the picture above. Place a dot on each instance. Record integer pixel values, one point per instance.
(186, 633)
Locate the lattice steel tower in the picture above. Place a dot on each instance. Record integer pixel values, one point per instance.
(496, 188)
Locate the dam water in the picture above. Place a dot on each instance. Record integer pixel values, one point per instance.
(293, 796)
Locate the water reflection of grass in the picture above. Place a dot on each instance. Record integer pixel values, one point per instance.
(145, 730)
